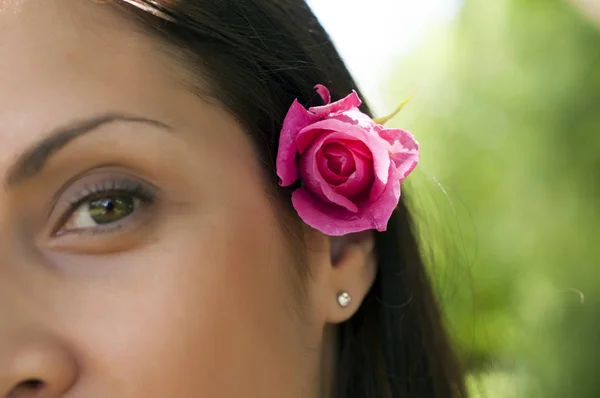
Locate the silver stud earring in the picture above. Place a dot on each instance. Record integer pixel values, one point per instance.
(343, 299)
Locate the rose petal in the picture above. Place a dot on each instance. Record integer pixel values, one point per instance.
(314, 181)
(362, 160)
(376, 189)
(305, 137)
(357, 147)
(336, 221)
(329, 219)
(338, 158)
(345, 131)
(361, 164)
(355, 116)
(404, 149)
(379, 210)
(328, 175)
(360, 181)
(297, 118)
(381, 156)
(345, 104)
(405, 163)
(399, 137)
(324, 93)
(362, 177)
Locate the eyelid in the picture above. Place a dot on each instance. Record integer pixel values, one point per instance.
(110, 186)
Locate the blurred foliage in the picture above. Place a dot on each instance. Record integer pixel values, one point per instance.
(508, 191)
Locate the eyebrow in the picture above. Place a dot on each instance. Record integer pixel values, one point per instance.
(32, 161)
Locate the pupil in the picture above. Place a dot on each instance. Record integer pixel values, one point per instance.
(109, 206)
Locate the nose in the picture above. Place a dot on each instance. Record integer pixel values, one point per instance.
(35, 368)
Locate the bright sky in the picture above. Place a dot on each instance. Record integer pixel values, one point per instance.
(372, 34)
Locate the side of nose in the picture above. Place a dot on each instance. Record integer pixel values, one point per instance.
(35, 367)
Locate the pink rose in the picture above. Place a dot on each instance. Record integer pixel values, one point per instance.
(350, 167)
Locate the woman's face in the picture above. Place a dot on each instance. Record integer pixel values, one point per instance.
(141, 256)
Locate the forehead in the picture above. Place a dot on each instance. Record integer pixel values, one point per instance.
(66, 59)
(70, 36)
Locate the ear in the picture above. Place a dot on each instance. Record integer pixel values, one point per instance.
(350, 268)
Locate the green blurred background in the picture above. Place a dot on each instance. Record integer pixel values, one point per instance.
(507, 112)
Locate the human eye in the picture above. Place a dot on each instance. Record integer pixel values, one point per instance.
(104, 205)
(106, 209)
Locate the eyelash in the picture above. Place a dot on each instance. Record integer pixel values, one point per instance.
(115, 187)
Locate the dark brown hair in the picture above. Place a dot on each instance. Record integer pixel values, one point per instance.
(258, 56)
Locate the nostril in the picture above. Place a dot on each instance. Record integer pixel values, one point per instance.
(27, 389)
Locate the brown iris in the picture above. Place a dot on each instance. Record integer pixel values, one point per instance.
(111, 209)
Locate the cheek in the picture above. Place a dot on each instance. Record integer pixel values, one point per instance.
(204, 305)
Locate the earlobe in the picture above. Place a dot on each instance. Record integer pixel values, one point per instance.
(353, 271)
